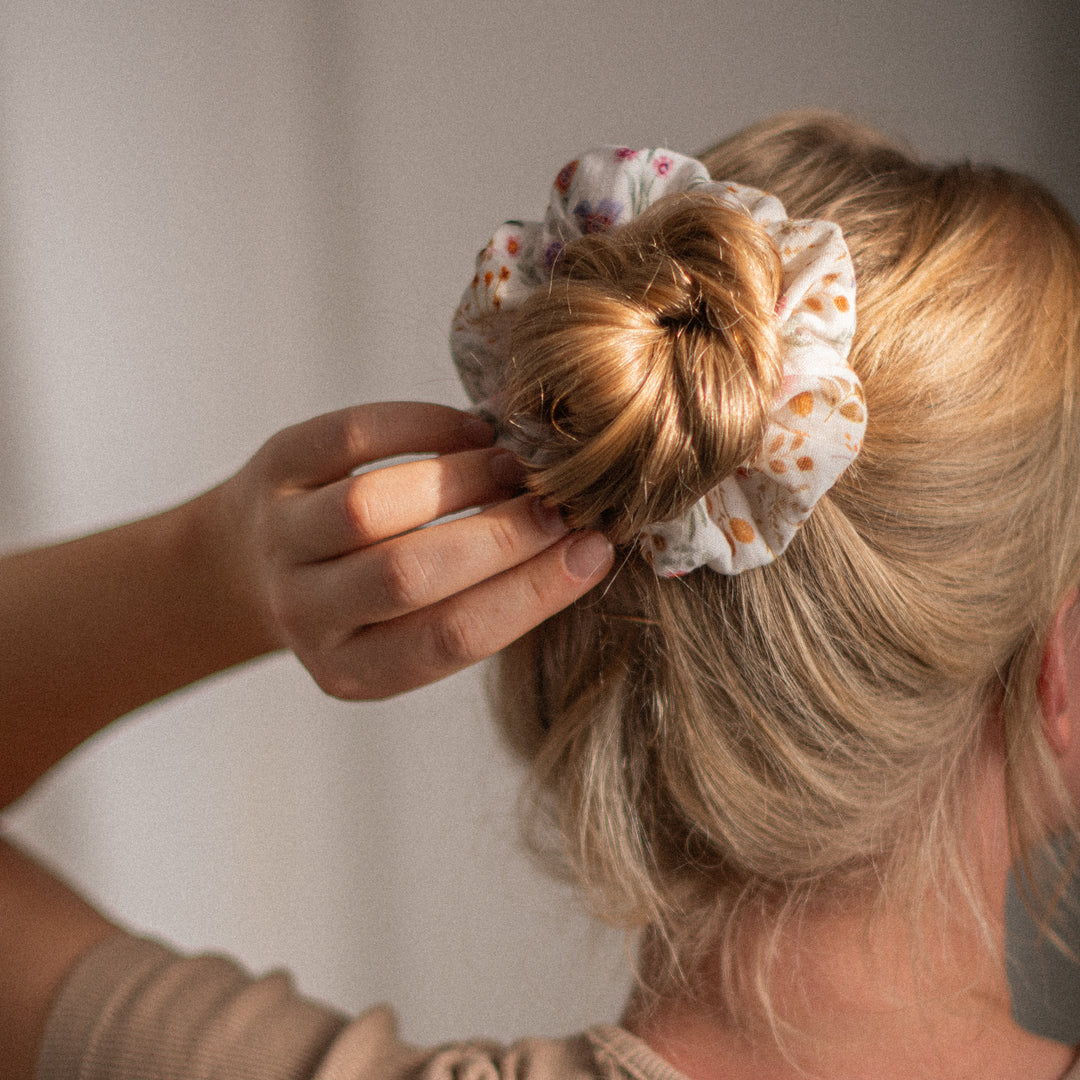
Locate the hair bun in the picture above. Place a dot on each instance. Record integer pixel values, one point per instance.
(650, 363)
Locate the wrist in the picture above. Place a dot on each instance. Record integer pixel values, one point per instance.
(217, 550)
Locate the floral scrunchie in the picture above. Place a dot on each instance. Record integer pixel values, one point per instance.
(816, 424)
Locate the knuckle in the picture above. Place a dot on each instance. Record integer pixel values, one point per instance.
(503, 534)
(457, 640)
(337, 674)
(355, 434)
(267, 463)
(539, 588)
(366, 515)
(405, 582)
(309, 632)
(339, 684)
(289, 618)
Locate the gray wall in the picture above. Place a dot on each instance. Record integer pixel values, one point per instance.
(220, 218)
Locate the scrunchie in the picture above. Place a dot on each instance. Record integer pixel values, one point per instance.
(815, 426)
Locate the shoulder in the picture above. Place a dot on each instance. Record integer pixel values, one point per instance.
(601, 1053)
(133, 1009)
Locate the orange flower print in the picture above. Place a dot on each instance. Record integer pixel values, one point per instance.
(565, 177)
(815, 426)
(832, 391)
(742, 530)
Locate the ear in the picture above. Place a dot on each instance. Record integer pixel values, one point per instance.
(1055, 691)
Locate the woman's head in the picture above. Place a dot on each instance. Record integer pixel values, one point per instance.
(719, 750)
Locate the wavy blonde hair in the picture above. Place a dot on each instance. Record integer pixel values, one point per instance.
(717, 752)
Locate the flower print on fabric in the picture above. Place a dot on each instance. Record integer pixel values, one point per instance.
(566, 175)
(816, 424)
(599, 218)
(552, 252)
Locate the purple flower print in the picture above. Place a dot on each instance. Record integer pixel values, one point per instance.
(599, 218)
(662, 165)
(624, 153)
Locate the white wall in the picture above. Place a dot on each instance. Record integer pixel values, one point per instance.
(220, 218)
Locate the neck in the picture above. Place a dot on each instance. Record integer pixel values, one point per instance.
(862, 1015)
(865, 1004)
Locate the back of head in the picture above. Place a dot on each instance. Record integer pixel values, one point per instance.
(718, 750)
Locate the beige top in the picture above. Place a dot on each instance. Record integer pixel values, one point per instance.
(134, 1010)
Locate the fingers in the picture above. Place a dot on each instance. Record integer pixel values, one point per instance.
(425, 567)
(430, 643)
(362, 510)
(371, 601)
(329, 447)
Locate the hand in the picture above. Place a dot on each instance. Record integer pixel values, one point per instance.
(372, 603)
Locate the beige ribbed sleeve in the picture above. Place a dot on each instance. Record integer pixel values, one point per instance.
(132, 1009)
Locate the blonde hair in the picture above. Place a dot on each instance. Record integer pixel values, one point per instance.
(717, 751)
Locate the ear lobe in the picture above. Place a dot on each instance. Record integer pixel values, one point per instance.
(1053, 686)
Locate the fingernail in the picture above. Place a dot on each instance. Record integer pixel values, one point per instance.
(548, 518)
(588, 555)
(476, 431)
(507, 470)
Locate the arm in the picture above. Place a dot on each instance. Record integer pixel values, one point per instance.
(44, 928)
(93, 628)
(294, 551)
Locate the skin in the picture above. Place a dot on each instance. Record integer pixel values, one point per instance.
(861, 1011)
(292, 552)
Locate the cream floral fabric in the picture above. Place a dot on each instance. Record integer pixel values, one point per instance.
(817, 422)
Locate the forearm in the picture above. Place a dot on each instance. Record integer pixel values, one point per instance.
(44, 928)
(93, 628)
